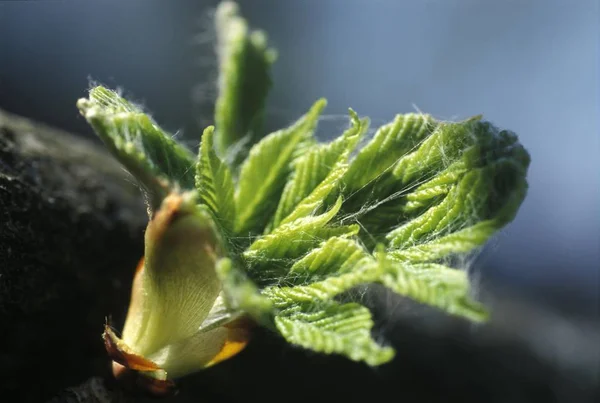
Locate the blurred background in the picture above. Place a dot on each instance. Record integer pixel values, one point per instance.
(531, 66)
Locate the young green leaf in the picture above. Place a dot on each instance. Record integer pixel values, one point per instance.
(148, 152)
(420, 191)
(321, 162)
(341, 264)
(445, 145)
(272, 253)
(334, 256)
(461, 174)
(263, 175)
(432, 284)
(244, 69)
(214, 183)
(241, 294)
(309, 205)
(375, 161)
(365, 272)
(463, 240)
(474, 197)
(333, 328)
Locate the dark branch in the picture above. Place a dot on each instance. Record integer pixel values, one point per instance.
(71, 229)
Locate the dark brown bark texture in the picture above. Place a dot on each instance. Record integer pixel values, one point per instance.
(71, 229)
(71, 233)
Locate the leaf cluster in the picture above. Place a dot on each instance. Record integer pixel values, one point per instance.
(305, 222)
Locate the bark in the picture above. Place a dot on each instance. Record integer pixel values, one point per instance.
(71, 229)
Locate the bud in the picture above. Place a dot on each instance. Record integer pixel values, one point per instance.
(177, 321)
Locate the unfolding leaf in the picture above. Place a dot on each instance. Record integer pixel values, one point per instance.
(309, 205)
(469, 201)
(333, 328)
(461, 174)
(330, 287)
(463, 240)
(334, 256)
(374, 163)
(241, 294)
(320, 163)
(337, 266)
(148, 152)
(286, 238)
(432, 284)
(445, 145)
(270, 239)
(244, 79)
(274, 253)
(263, 175)
(214, 183)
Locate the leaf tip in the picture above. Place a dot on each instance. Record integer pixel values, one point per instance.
(318, 106)
(208, 133)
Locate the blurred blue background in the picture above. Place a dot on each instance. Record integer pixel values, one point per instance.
(531, 66)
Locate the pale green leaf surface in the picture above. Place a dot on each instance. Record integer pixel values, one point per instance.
(335, 255)
(287, 238)
(241, 294)
(444, 146)
(349, 266)
(468, 202)
(391, 142)
(244, 79)
(432, 284)
(463, 240)
(309, 205)
(333, 328)
(150, 154)
(214, 183)
(338, 265)
(420, 191)
(319, 163)
(263, 175)
(273, 254)
(369, 183)
(461, 174)
(365, 272)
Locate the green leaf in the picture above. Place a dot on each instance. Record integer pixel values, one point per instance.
(320, 163)
(463, 240)
(214, 183)
(241, 294)
(273, 254)
(447, 143)
(470, 200)
(244, 79)
(432, 284)
(333, 328)
(375, 162)
(340, 265)
(420, 191)
(310, 204)
(327, 289)
(334, 256)
(462, 174)
(277, 244)
(337, 266)
(431, 191)
(149, 153)
(264, 173)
